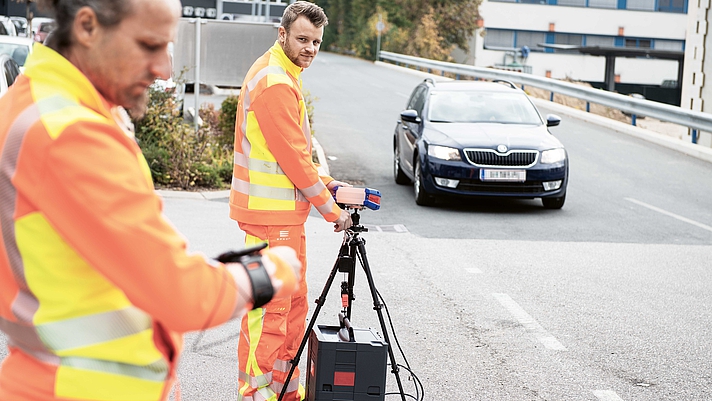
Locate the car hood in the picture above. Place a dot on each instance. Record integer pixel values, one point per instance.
(487, 135)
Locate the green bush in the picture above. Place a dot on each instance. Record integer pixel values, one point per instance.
(180, 157)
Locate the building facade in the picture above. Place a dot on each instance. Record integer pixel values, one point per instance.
(546, 27)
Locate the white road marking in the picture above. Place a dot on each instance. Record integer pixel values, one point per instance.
(607, 395)
(673, 215)
(529, 323)
(473, 270)
(402, 94)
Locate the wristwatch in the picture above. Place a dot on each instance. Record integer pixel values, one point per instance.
(262, 290)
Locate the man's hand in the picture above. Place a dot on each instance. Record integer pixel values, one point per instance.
(331, 186)
(343, 222)
(284, 270)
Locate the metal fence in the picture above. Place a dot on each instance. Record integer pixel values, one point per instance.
(696, 120)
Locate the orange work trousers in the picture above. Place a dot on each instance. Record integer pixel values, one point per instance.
(270, 336)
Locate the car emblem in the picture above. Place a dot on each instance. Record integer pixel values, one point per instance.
(501, 148)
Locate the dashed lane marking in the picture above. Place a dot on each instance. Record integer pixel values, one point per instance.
(529, 323)
(607, 395)
(673, 215)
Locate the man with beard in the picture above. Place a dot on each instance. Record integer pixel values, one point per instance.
(96, 286)
(275, 184)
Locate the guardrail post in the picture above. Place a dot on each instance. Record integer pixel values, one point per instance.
(457, 77)
(694, 136)
(588, 107)
(551, 97)
(632, 119)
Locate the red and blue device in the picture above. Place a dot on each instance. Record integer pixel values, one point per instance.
(355, 197)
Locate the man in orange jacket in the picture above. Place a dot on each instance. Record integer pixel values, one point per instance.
(275, 183)
(95, 284)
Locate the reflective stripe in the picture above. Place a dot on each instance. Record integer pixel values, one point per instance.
(240, 186)
(287, 194)
(54, 103)
(282, 365)
(264, 166)
(93, 329)
(270, 69)
(8, 164)
(314, 190)
(292, 387)
(326, 208)
(262, 191)
(25, 337)
(156, 371)
(258, 381)
(240, 159)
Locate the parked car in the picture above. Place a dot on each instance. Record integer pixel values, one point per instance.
(9, 70)
(476, 138)
(17, 47)
(43, 29)
(20, 25)
(7, 27)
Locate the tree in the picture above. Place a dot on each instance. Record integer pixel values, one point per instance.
(425, 28)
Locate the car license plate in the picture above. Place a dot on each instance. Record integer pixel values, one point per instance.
(503, 175)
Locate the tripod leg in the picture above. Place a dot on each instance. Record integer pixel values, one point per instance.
(377, 305)
(319, 303)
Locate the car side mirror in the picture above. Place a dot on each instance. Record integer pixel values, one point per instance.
(552, 120)
(410, 116)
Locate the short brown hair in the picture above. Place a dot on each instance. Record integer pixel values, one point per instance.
(313, 12)
(108, 12)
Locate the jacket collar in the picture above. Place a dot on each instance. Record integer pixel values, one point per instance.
(291, 68)
(50, 69)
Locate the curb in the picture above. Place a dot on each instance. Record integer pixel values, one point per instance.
(690, 149)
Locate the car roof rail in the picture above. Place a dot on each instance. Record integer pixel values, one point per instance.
(432, 81)
(504, 81)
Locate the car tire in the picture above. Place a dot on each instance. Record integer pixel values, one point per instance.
(398, 174)
(554, 202)
(421, 197)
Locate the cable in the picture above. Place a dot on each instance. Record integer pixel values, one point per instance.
(419, 390)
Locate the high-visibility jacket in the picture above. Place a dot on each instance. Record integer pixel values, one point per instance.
(274, 178)
(95, 284)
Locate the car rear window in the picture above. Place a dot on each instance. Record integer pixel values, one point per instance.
(482, 106)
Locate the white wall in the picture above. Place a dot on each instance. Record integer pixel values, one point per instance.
(583, 20)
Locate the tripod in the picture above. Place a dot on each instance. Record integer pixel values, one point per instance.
(352, 248)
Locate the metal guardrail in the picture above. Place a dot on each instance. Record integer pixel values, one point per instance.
(664, 112)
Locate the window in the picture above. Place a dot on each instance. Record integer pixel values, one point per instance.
(603, 3)
(642, 5)
(672, 6)
(640, 43)
(574, 3)
(601, 41)
(417, 101)
(531, 39)
(499, 38)
(668, 44)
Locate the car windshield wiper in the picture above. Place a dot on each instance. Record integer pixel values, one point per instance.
(440, 121)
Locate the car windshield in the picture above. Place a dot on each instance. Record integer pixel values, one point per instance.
(18, 52)
(481, 106)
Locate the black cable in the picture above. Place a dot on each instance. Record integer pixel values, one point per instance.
(419, 390)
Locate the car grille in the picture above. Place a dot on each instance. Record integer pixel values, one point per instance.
(490, 157)
(528, 187)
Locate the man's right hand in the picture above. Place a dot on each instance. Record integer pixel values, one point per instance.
(284, 270)
(343, 222)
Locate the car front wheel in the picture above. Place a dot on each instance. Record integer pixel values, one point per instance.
(554, 202)
(421, 197)
(398, 174)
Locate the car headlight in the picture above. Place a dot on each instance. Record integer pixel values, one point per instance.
(553, 156)
(443, 152)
